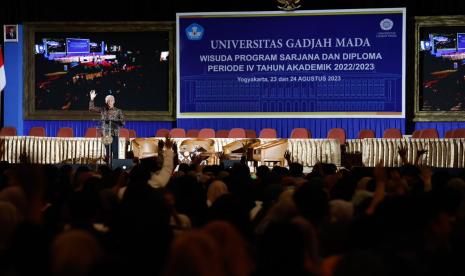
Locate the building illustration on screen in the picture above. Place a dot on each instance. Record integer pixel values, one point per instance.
(214, 94)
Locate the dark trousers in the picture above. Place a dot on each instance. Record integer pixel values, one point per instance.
(113, 148)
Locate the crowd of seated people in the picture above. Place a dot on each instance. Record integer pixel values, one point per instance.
(208, 220)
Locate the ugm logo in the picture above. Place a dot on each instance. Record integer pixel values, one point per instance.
(194, 32)
(386, 24)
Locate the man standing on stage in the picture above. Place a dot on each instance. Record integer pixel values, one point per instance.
(112, 120)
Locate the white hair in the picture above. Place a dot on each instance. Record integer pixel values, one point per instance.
(108, 98)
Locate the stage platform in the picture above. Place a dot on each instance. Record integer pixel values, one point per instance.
(441, 153)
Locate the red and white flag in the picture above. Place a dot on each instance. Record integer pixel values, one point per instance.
(2, 72)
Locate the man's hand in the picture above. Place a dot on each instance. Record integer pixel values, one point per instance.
(287, 156)
(168, 142)
(402, 151)
(175, 147)
(380, 172)
(380, 178)
(92, 95)
(420, 152)
(245, 147)
(161, 144)
(426, 174)
(197, 158)
(221, 155)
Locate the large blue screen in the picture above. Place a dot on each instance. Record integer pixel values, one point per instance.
(333, 63)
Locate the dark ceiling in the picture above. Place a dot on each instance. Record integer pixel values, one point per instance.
(141, 10)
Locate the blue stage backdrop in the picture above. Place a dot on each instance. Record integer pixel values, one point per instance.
(318, 127)
(442, 127)
(142, 128)
(305, 64)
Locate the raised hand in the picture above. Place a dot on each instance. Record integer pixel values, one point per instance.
(380, 172)
(245, 147)
(175, 147)
(221, 155)
(421, 152)
(168, 142)
(287, 156)
(380, 178)
(402, 151)
(175, 156)
(161, 144)
(197, 158)
(93, 94)
(426, 174)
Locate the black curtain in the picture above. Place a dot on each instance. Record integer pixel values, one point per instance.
(140, 10)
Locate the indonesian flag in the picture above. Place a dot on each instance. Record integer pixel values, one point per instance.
(2, 72)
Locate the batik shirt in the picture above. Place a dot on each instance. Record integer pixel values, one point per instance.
(112, 117)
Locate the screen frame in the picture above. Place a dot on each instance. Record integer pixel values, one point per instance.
(31, 28)
(422, 22)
